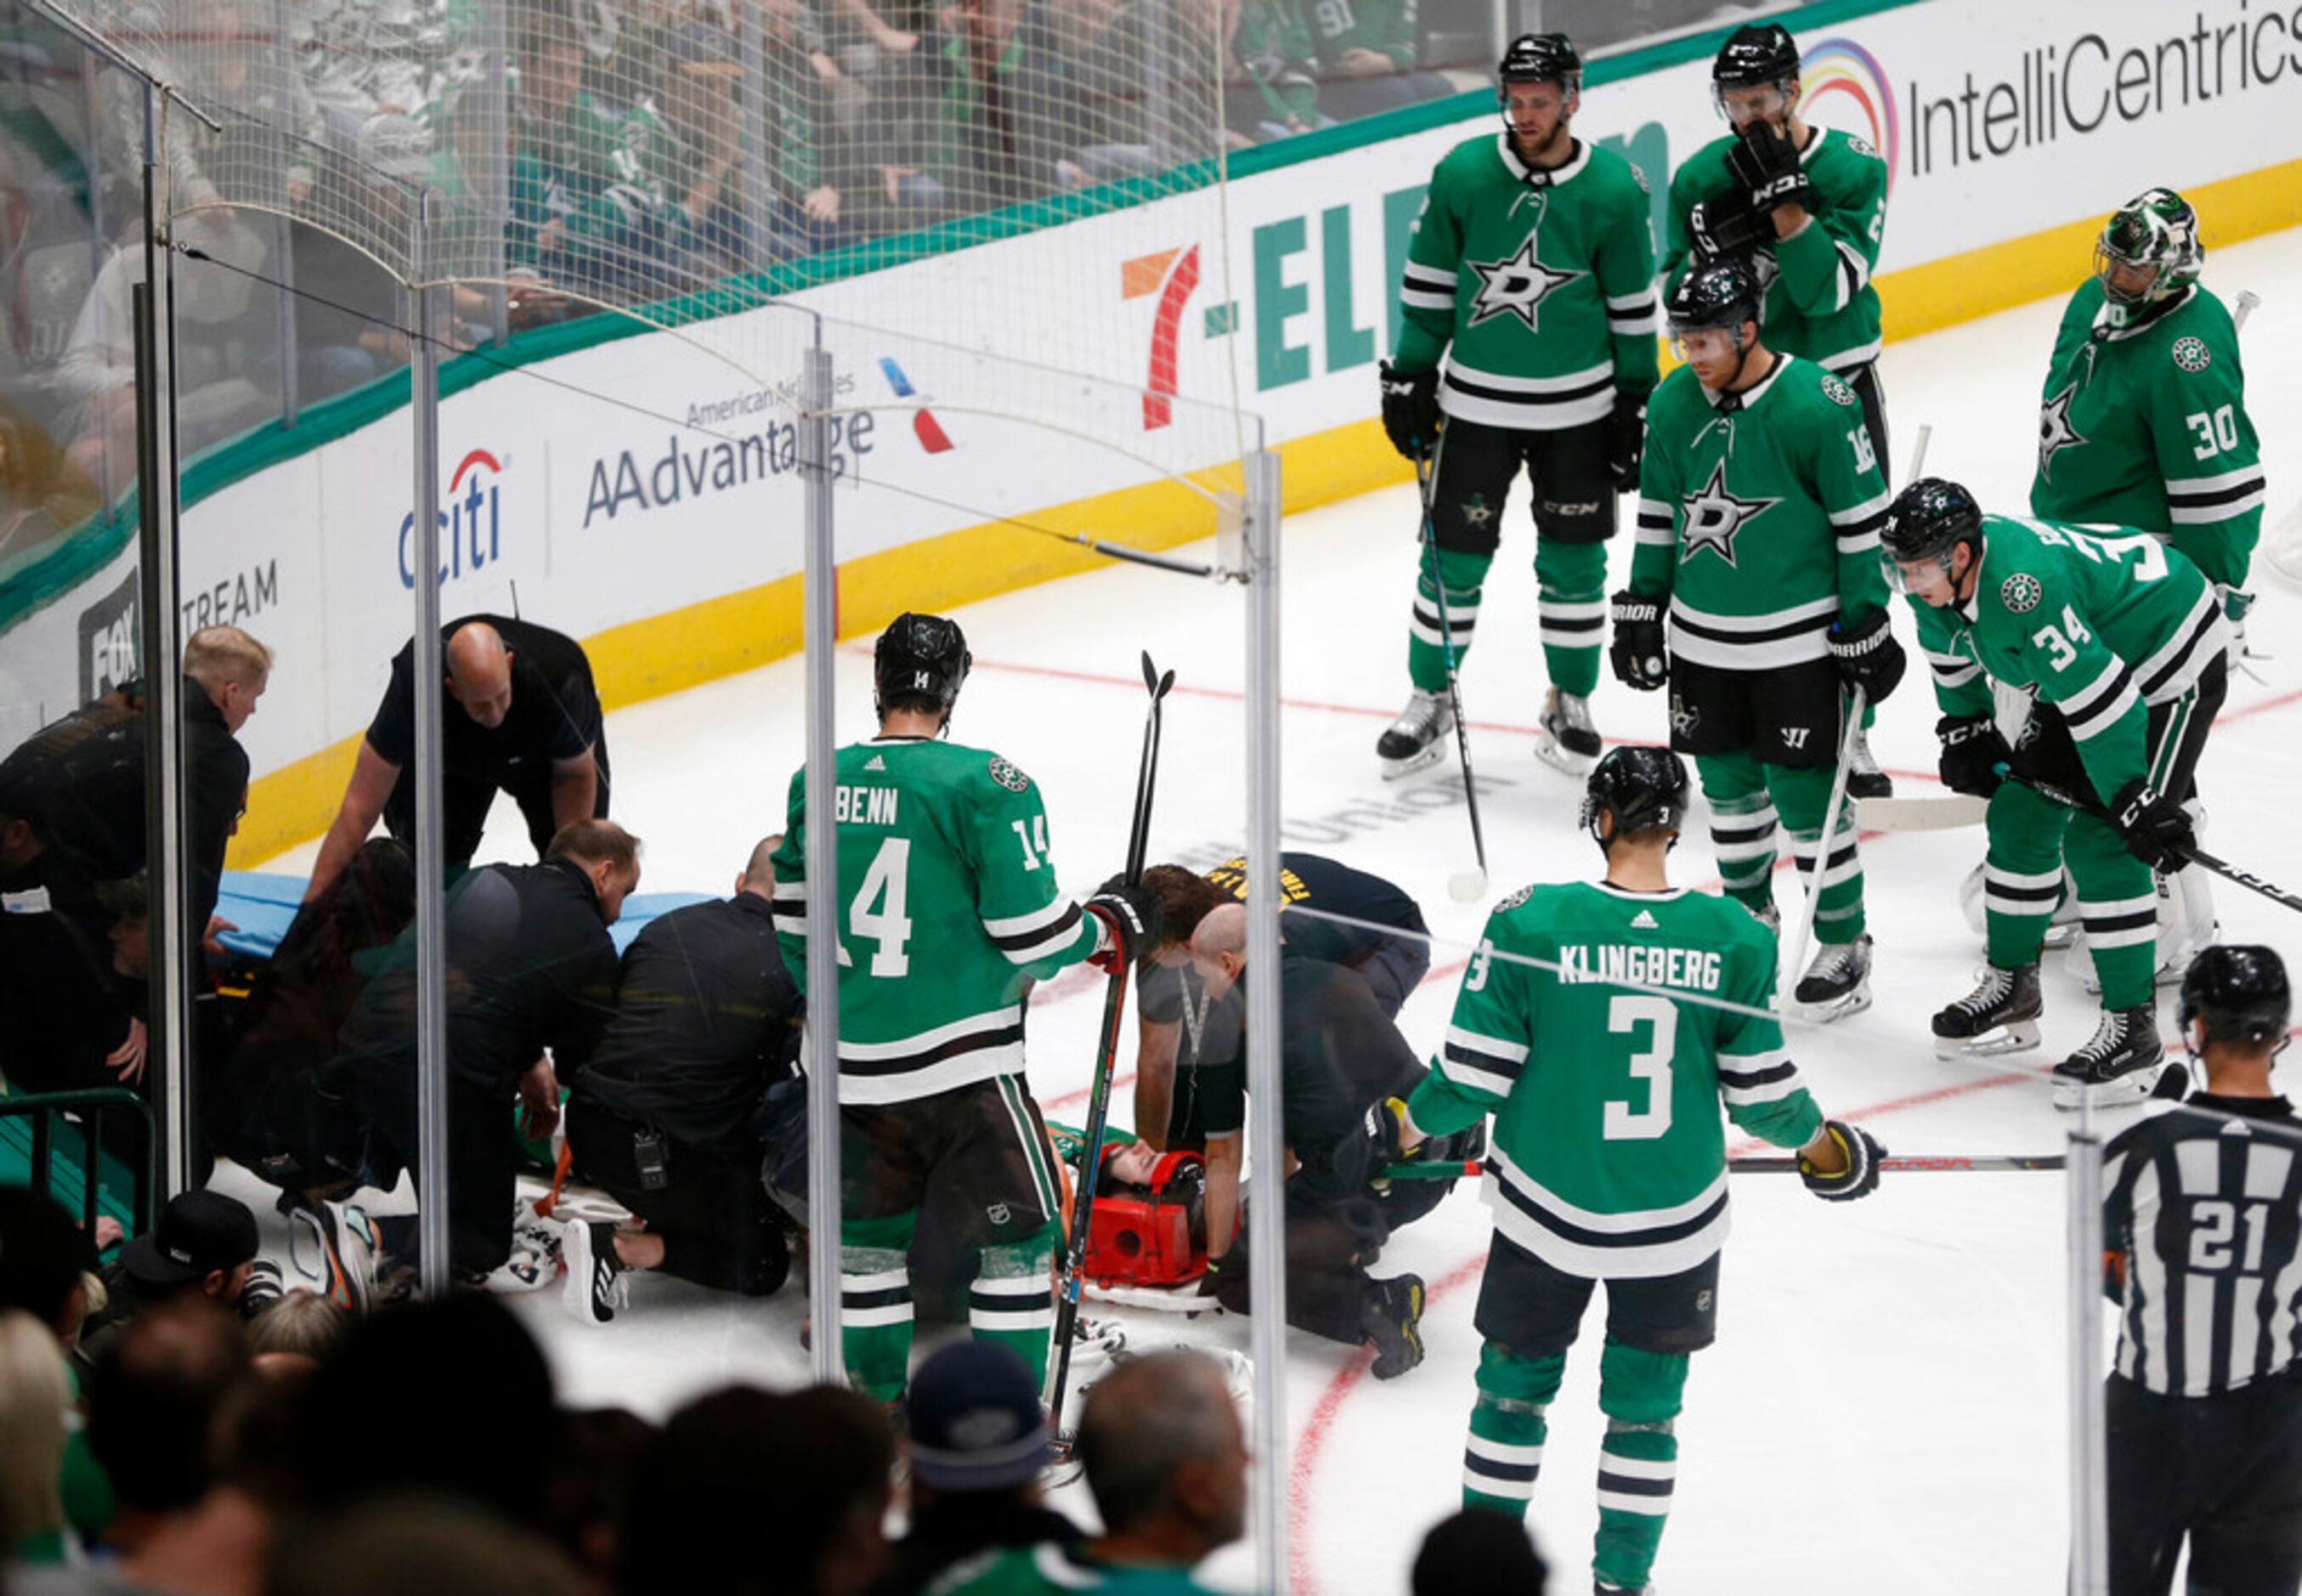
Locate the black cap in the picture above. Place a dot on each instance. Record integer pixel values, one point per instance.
(198, 1233)
(975, 1418)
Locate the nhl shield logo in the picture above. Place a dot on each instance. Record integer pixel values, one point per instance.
(2192, 355)
(1008, 777)
(998, 1213)
(2020, 593)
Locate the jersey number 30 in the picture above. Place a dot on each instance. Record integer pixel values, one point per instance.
(1650, 1065)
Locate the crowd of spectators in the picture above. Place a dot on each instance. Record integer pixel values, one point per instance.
(222, 1439)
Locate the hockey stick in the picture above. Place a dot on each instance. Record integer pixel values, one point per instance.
(2194, 853)
(1464, 887)
(1944, 813)
(1772, 1164)
(2248, 302)
(1855, 699)
(1114, 1005)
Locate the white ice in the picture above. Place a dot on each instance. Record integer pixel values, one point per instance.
(1886, 1407)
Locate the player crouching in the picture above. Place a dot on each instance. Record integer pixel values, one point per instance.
(2120, 642)
(1606, 1091)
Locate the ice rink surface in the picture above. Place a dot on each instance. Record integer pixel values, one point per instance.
(1887, 1398)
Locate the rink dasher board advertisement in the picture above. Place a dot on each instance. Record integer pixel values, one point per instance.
(1996, 125)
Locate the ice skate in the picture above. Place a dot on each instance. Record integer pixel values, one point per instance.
(344, 1248)
(1417, 740)
(1864, 779)
(2121, 1064)
(2000, 1015)
(1567, 741)
(1393, 1323)
(1837, 983)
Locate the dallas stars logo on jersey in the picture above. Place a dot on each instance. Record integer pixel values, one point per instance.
(1516, 286)
(2055, 432)
(1714, 516)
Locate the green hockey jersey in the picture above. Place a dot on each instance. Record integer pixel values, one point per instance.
(1820, 303)
(1759, 517)
(1048, 1569)
(1602, 1028)
(947, 909)
(1537, 287)
(2143, 423)
(2100, 626)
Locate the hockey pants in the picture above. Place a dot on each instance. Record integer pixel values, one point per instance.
(1011, 1301)
(1639, 1392)
(1571, 580)
(1746, 798)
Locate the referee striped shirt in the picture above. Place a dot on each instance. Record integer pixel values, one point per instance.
(2205, 1202)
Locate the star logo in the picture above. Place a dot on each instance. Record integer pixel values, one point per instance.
(2055, 432)
(1516, 286)
(1713, 515)
(1478, 512)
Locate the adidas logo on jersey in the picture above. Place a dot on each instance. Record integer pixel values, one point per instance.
(1644, 922)
(876, 763)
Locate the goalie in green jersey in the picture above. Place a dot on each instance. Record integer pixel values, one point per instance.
(2109, 647)
(1527, 325)
(2142, 421)
(1805, 208)
(947, 911)
(1602, 1025)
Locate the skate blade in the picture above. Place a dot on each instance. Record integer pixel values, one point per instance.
(1392, 770)
(1837, 1008)
(1870, 786)
(2128, 1088)
(2061, 936)
(2020, 1036)
(1556, 754)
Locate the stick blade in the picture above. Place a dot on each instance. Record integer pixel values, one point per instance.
(1467, 887)
(1944, 813)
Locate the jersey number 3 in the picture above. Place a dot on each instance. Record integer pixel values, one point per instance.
(1650, 1065)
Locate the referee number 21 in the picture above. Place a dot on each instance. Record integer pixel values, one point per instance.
(2215, 1229)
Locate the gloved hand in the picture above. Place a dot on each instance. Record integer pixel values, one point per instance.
(1129, 914)
(1391, 1136)
(1626, 441)
(1765, 162)
(1410, 410)
(1858, 1179)
(1231, 1266)
(1638, 652)
(1973, 752)
(2153, 826)
(1726, 225)
(1866, 655)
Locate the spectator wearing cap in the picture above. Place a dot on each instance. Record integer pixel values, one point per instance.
(203, 1246)
(978, 1444)
(1166, 1462)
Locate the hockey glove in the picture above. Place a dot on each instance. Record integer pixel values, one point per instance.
(1231, 1266)
(1727, 226)
(1858, 1179)
(1973, 754)
(1765, 162)
(1638, 652)
(1410, 410)
(2153, 826)
(1866, 655)
(1388, 1138)
(1626, 441)
(1129, 914)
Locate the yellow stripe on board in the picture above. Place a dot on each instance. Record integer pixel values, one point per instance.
(738, 631)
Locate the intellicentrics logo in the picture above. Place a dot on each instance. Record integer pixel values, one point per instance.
(1840, 73)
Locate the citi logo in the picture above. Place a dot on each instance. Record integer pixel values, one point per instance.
(471, 522)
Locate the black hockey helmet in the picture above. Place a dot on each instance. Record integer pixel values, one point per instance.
(1538, 58)
(919, 657)
(1643, 788)
(1718, 293)
(1927, 520)
(2239, 991)
(1756, 55)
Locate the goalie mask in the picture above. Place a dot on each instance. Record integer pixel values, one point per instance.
(2155, 234)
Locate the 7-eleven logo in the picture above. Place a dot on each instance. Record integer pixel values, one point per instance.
(1170, 274)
